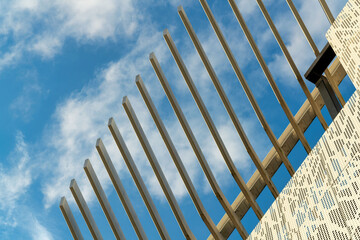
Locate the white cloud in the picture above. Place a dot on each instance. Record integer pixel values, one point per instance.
(82, 118)
(42, 26)
(39, 232)
(31, 93)
(15, 181)
(246, 7)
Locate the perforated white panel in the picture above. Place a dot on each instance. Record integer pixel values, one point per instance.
(271, 226)
(344, 38)
(322, 200)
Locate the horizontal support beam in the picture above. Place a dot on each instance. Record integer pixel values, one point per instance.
(288, 139)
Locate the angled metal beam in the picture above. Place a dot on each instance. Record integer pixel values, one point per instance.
(70, 220)
(120, 190)
(210, 123)
(138, 180)
(334, 87)
(327, 11)
(196, 148)
(177, 160)
(157, 169)
(315, 50)
(226, 102)
(85, 211)
(288, 58)
(269, 76)
(101, 196)
(246, 87)
(272, 162)
(303, 27)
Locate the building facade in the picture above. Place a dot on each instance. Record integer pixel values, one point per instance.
(322, 200)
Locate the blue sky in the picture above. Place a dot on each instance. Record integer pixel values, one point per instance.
(64, 69)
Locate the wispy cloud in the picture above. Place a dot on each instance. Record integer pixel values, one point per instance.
(82, 118)
(39, 232)
(15, 180)
(94, 20)
(31, 94)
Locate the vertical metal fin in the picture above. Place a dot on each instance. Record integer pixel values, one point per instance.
(246, 88)
(292, 64)
(269, 77)
(316, 51)
(327, 11)
(85, 211)
(70, 220)
(138, 180)
(209, 122)
(214, 185)
(226, 102)
(100, 194)
(176, 158)
(120, 190)
(157, 169)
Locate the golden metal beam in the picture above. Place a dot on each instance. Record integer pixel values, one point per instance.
(177, 160)
(138, 180)
(226, 102)
(327, 11)
(210, 123)
(292, 64)
(194, 144)
(316, 51)
(120, 190)
(246, 87)
(70, 220)
(101, 196)
(85, 211)
(157, 170)
(272, 162)
(269, 76)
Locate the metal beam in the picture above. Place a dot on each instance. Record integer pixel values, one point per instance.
(101, 196)
(138, 180)
(269, 76)
(327, 93)
(303, 27)
(322, 61)
(292, 63)
(157, 169)
(272, 162)
(327, 11)
(120, 190)
(226, 102)
(315, 50)
(70, 220)
(246, 88)
(85, 211)
(177, 160)
(196, 148)
(210, 123)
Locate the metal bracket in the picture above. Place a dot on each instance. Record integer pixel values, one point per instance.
(328, 94)
(315, 75)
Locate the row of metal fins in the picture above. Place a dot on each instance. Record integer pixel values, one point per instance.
(236, 221)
